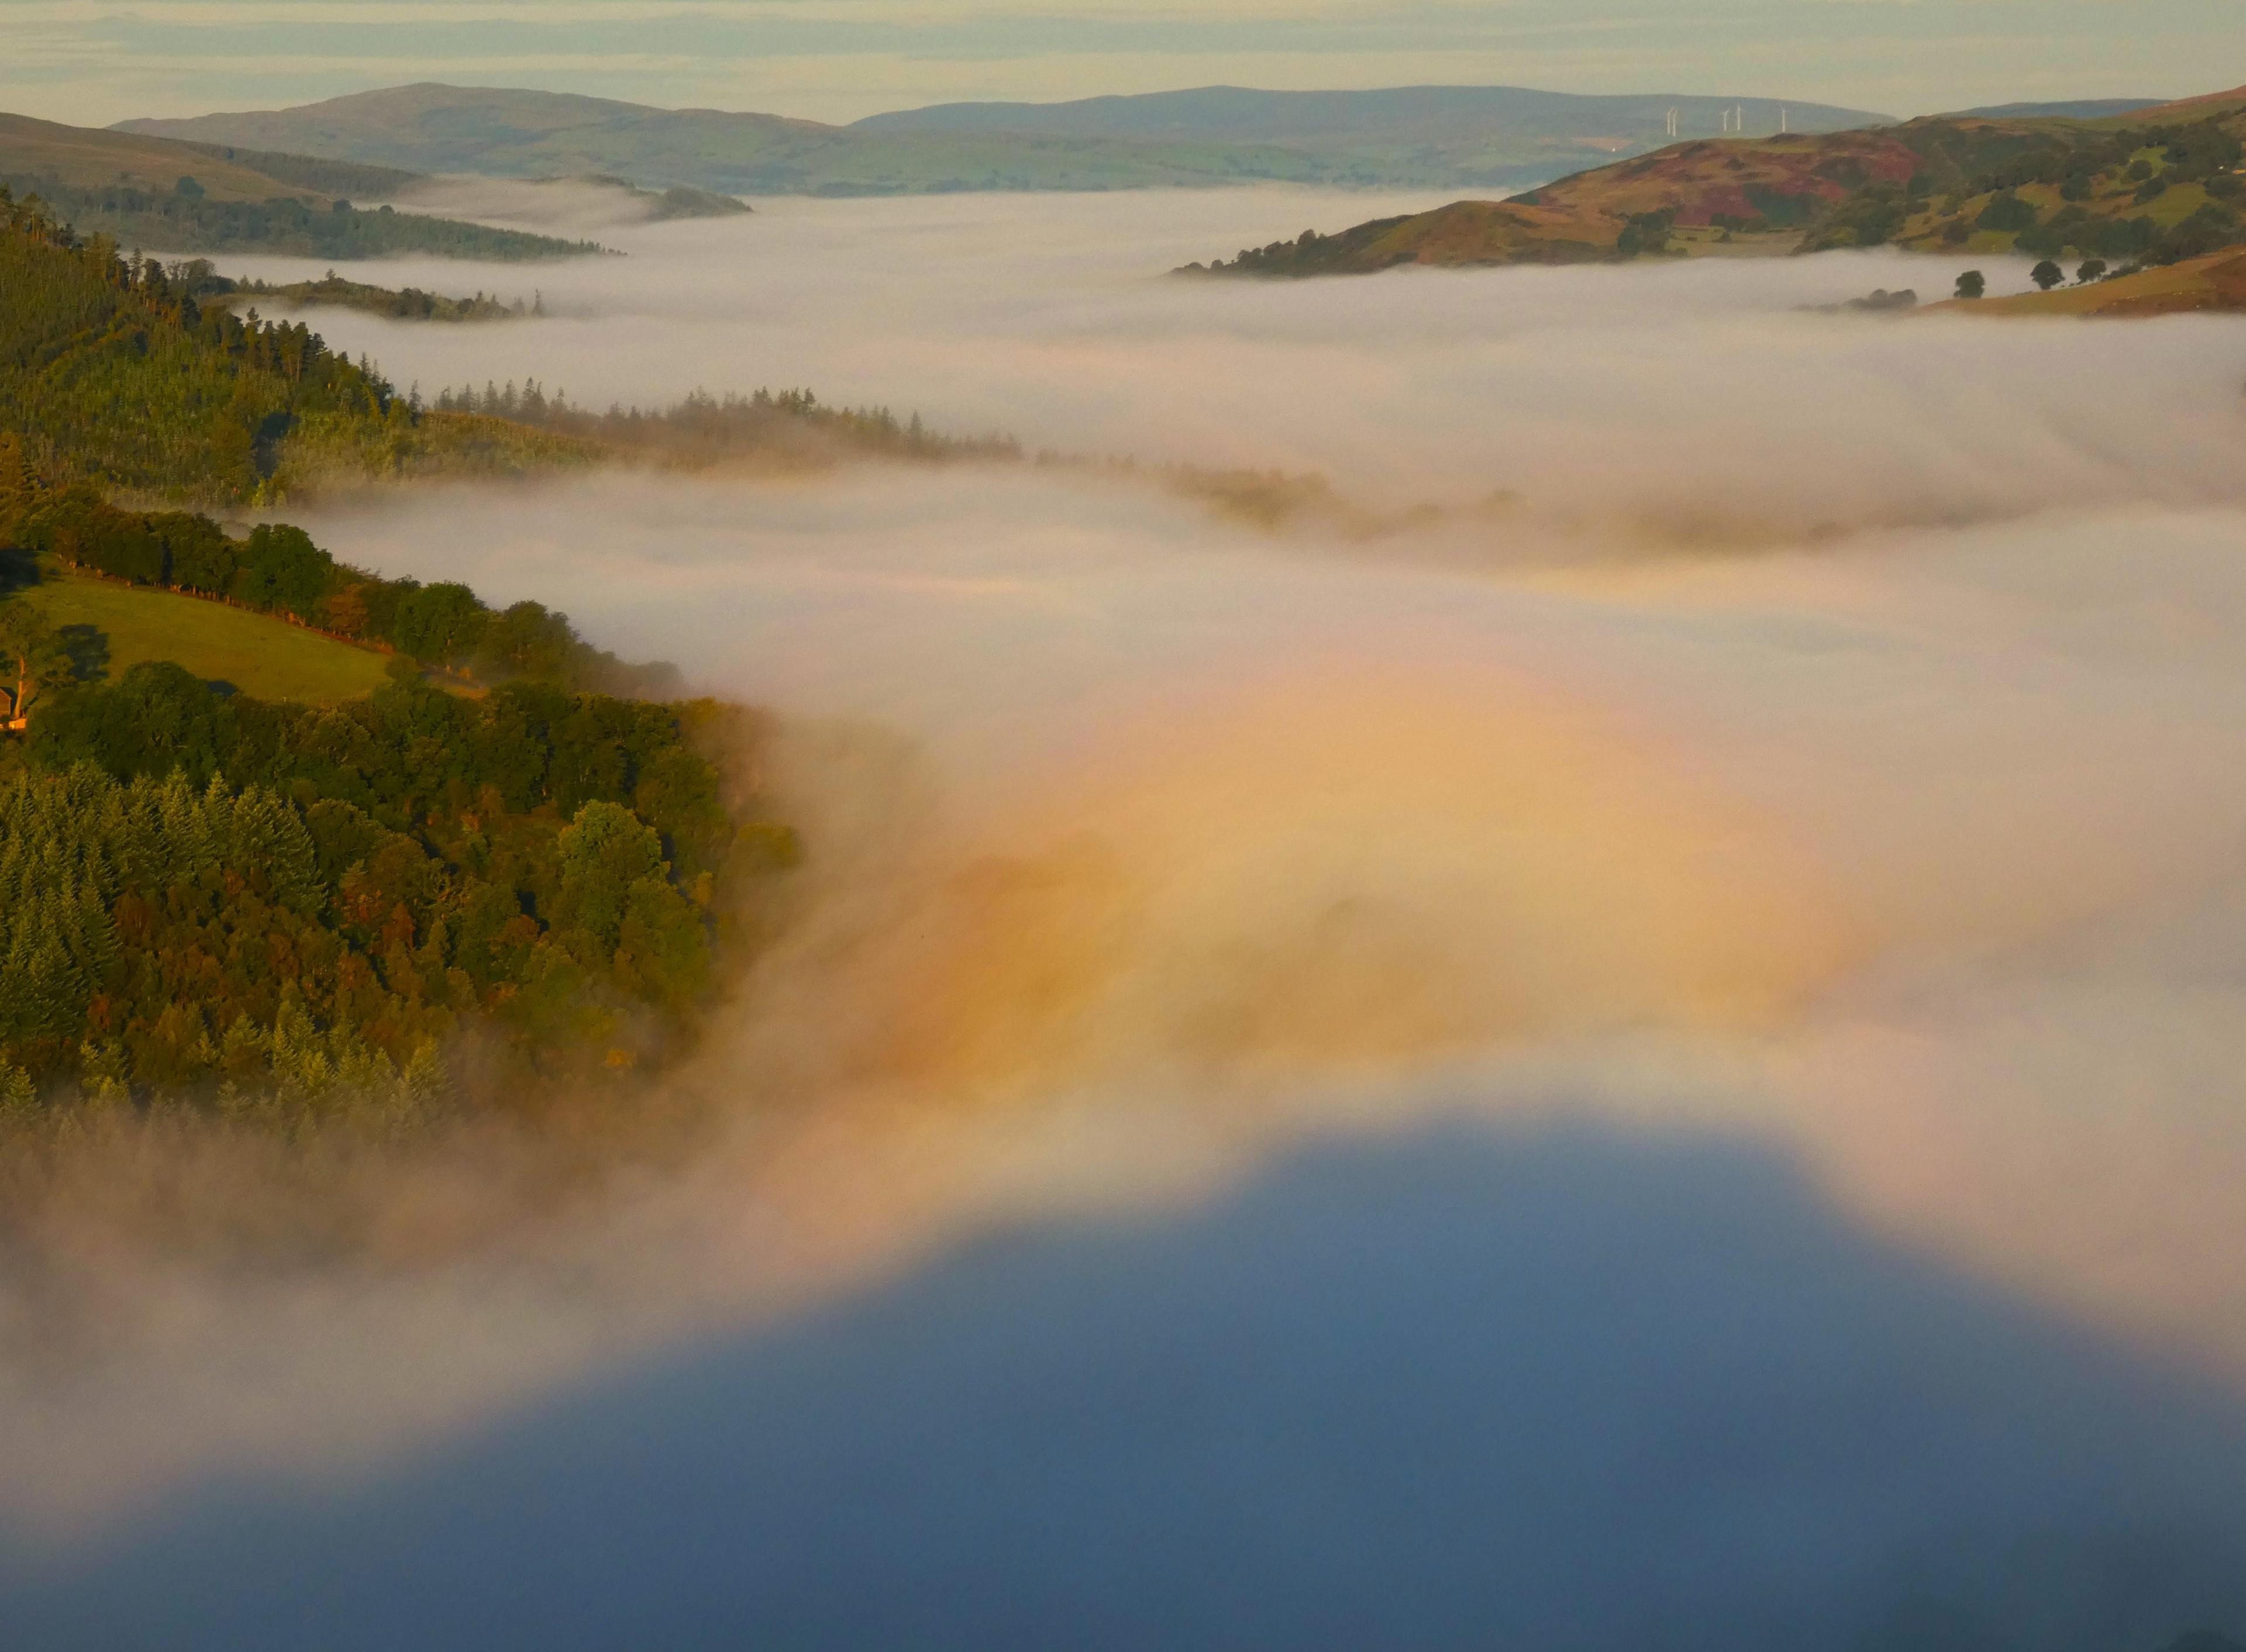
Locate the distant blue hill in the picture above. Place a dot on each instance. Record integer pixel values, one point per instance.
(1465, 138)
(1464, 135)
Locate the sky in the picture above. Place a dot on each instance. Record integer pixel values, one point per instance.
(89, 62)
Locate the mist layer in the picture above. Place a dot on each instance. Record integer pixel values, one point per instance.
(1801, 751)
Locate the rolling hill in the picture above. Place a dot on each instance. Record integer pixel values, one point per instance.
(1434, 136)
(2157, 185)
(112, 373)
(258, 653)
(144, 191)
(1399, 135)
(85, 158)
(2216, 282)
(2078, 109)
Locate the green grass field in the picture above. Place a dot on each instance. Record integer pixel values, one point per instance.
(269, 658)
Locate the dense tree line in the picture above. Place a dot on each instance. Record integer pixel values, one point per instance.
(189, 221)
(206, 894)
(409, 304)
(112, 371)
(109, 369)
(712, 427)
(277, 569)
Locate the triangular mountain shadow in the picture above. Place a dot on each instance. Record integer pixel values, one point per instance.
(1552, 1389)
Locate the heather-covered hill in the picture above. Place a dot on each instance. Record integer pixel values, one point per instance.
(2159, 186)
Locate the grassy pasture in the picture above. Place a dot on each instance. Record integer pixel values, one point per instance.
(259, 655)
(2215, 282)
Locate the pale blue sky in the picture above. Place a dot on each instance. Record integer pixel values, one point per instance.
(90, 62)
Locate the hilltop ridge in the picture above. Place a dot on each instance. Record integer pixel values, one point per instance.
(2157, 186)
(148, 191)
(1432, 136)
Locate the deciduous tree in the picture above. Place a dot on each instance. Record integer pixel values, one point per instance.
(32, 659)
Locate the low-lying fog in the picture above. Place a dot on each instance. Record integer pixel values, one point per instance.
(1687, 396)
(1638, 1039)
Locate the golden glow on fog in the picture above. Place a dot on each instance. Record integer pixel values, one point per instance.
(1348, 868)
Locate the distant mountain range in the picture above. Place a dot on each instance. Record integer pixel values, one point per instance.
(1436, 137)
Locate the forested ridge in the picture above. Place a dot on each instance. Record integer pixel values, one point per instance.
(186, 222)
(261, 902)
(510, 859)
(409, 304)
(109, 368)
(112, 372)
(204, 896)
(788, 425)
(275, 568)
(515, 858)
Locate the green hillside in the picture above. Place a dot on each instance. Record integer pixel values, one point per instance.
(283, 841)
(152, 192)
(251, 867)
(328, 179)
(106, 370)
(111, 371)
(118, 626)
(2156, 187)
(293, 913)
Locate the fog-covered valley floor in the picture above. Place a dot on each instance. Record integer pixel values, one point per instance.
(1632, 1036)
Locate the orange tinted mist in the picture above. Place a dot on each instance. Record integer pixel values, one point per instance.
(1348, 867)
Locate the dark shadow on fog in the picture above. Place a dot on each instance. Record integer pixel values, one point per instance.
(1544, 1390)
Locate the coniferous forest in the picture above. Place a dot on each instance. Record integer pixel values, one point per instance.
(519, 846)
(106, 370)
(187, 218)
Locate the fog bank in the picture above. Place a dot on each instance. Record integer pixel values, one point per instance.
(1678, 401)
(1802, 753)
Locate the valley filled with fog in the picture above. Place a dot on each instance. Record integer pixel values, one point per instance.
(1624, 1021)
